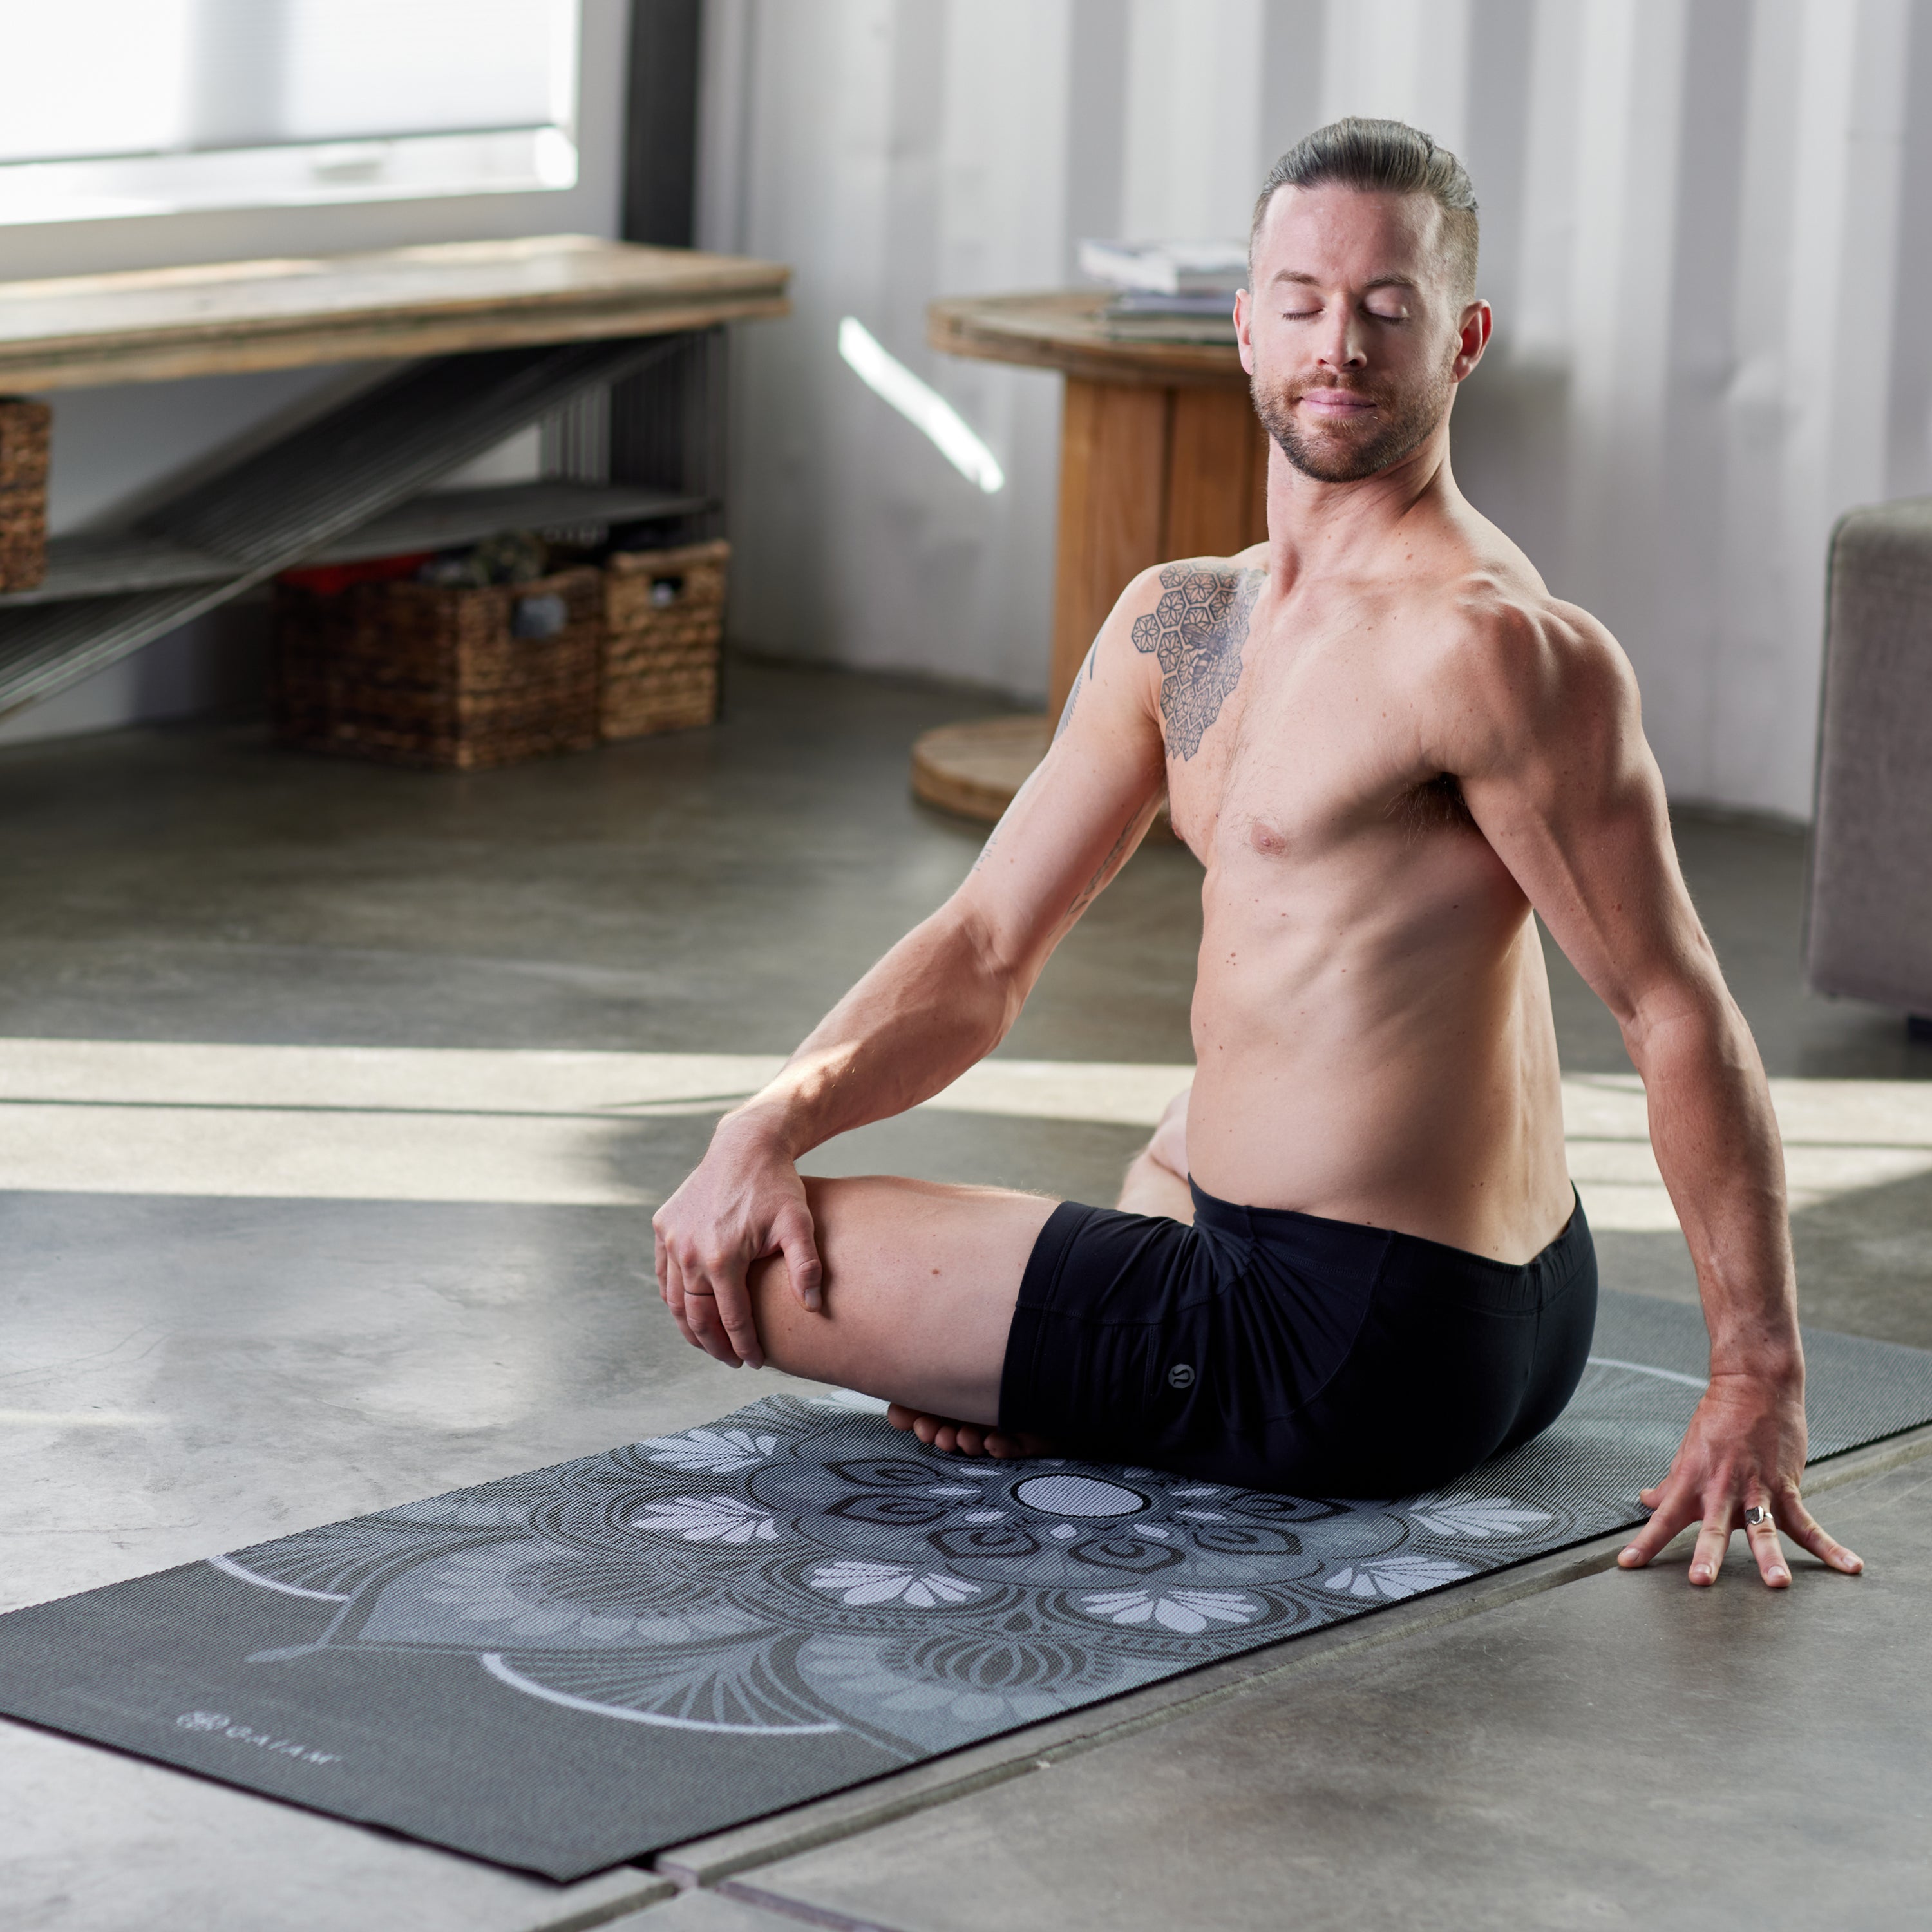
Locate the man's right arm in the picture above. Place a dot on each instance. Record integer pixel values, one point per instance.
(942, 999)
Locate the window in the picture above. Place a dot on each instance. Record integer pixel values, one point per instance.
(122, 107)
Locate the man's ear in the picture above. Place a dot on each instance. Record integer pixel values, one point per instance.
(1244, 317)
(1474, 332)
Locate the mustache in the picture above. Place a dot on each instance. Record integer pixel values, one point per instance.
(1348, 387)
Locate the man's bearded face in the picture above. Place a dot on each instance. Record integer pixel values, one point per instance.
(1354, 330)
(1407, 409)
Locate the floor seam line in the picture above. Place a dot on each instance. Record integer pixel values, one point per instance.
(799, 1909)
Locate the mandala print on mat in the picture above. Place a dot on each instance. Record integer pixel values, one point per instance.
(799, 1568)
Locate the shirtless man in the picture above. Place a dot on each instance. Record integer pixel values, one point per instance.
(1351, 1262)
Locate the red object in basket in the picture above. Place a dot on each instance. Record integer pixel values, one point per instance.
(330, 579)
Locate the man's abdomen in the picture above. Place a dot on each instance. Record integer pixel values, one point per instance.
(1390, 1071)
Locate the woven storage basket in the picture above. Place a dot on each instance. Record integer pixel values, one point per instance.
(25, 427)
(424, 674)
(664, 616)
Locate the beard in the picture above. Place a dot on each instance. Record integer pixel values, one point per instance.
(1405, 419)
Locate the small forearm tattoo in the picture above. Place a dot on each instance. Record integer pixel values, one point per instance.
(1109, 866)
(1073, 695)
(1197, 631)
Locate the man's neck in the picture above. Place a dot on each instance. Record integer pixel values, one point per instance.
(1318, 529)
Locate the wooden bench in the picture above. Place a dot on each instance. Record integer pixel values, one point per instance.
(504, 334)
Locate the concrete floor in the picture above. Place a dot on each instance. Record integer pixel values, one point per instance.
(186, 1371)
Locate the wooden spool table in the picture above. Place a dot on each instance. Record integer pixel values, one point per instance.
(1161, 456)
(503, 333)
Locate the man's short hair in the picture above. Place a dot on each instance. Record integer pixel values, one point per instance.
(1384, 157)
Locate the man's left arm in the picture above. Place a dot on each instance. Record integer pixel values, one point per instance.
(1549, 747)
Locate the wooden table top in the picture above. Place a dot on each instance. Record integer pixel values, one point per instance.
(152, 324)
(1061, 329)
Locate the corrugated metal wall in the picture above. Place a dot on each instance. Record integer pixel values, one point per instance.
(1708, 236)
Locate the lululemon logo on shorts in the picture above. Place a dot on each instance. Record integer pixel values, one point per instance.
(1180, 1376)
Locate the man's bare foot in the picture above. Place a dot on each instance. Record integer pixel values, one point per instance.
(969, 1438)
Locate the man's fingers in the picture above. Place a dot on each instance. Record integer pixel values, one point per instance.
(1667, 1518)
(701, 1312)
(671, 1286)
(798, 1240)
(1713, 1539)
(1803, 1527)
(734, 1314)
(1769, 1552)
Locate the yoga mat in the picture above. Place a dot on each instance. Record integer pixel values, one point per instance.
(562, 1670)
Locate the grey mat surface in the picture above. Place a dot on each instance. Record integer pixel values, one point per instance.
(563, 1670)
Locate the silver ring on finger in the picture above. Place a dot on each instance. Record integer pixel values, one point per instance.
(1758, 1516)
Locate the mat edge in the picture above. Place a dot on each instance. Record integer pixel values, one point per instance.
(706, 1863)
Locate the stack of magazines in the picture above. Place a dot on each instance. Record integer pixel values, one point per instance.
(1168, 291)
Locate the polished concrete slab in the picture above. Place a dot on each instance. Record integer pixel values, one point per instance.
(182, 1373)
(708, 1911)
(94, 1839)
(1622, 1750)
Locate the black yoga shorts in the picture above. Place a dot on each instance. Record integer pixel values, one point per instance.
(1280, 1351)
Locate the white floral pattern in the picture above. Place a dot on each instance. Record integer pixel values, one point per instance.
(1479, 1519)
(708, 1519)
(715, 1450)
(855, 1583)
(1401, 1573)
(1186, 1611)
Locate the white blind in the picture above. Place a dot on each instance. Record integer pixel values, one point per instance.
(90, 78)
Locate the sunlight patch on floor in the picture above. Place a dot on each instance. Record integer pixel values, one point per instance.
(387, 1123)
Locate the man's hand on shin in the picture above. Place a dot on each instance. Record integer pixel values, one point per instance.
(1744, 1450)
(744, 1201)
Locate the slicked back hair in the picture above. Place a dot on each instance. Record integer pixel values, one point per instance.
(1383, 157)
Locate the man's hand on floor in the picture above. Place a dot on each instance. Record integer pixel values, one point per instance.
(1745, 1446)
(744, 1201)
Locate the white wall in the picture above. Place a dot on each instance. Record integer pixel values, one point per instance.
(115, 449)
(1707, 234)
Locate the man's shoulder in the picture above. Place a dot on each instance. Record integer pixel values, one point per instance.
(1495, 630)
(1192, 598)
(1511, 668)
(1196, 579)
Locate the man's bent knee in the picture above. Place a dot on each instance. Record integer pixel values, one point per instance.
(919, 1286)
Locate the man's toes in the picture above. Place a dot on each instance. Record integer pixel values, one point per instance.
(964, 1439)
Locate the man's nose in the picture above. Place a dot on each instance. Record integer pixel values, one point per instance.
(1343, 346)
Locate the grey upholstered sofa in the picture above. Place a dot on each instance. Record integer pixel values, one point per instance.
(1869, 924)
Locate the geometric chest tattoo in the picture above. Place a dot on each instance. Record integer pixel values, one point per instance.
(1197, 631)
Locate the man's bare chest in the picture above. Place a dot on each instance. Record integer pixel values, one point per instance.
(1320, 739)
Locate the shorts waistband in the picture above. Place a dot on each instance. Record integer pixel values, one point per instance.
(1316, 1242)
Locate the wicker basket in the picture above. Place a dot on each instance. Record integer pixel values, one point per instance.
(422, 674)
(663, 617)
(24, 428)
